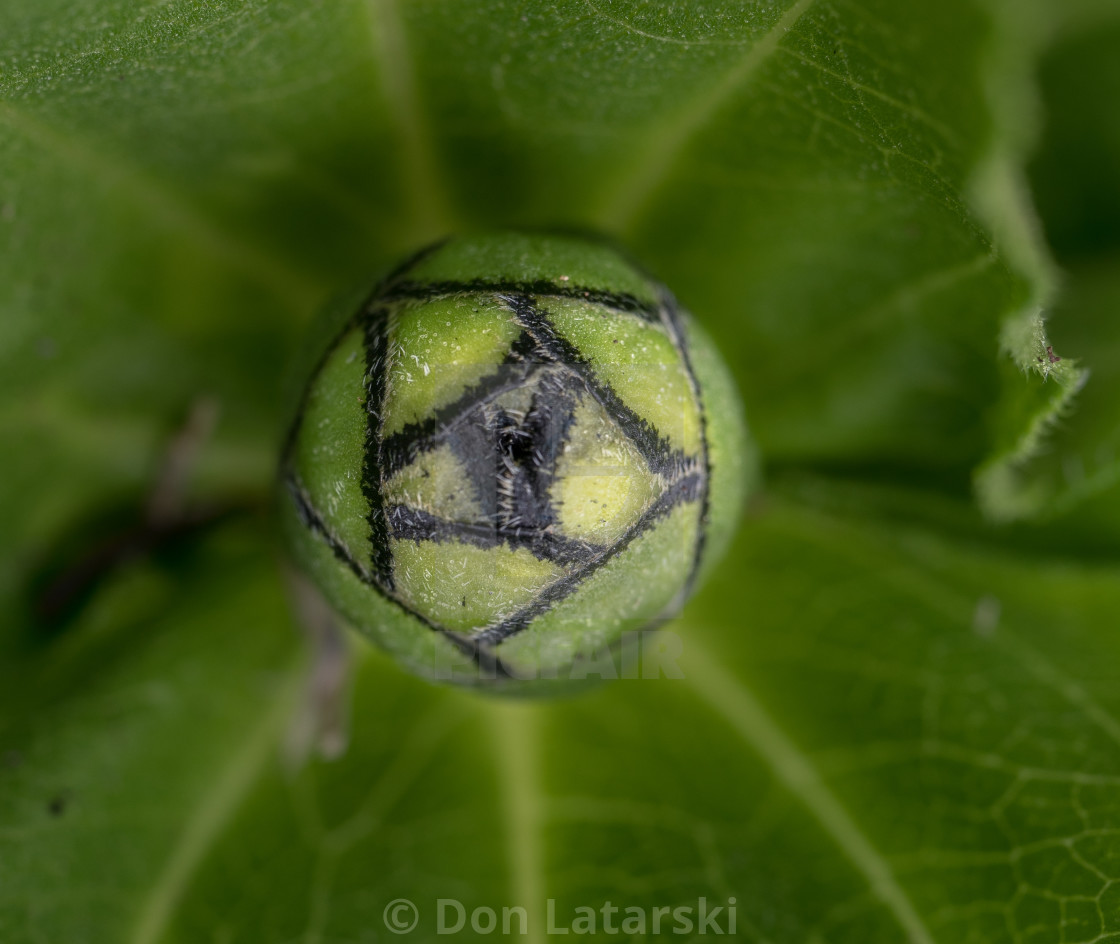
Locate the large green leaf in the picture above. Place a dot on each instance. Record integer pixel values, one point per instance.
(909, 738)
(1074, 175)
(891, 725)
(183, 182)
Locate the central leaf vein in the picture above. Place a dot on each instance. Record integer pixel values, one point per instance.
(730, 698)
(515, 742)
(418, 166)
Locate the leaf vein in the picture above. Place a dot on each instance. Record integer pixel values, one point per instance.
(418, 165)
(518, 760)
(731, 699)
(669, 140)
(202, 829)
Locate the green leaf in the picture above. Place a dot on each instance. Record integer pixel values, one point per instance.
(891, 725)
(169, 695)
(1039, 389)
(1065, 465)
(185, 182)
(910, 738)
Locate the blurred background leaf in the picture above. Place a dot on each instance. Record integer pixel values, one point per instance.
(898, 720)
(1074, 174)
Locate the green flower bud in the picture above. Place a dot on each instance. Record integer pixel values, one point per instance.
(517, 449)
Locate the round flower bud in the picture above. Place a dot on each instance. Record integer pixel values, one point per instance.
(515, 452)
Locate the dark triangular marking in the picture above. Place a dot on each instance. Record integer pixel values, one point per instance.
(684, 490)
(402, 447)
(413, 524)
(528, 450)
(654, 447)
(539, 344)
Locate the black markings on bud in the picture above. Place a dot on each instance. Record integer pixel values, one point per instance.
(528, 447)
(671, 318)
(402, 447)
(687, 489)
(508, 453)
(312, 520)
(415, 524)
(541, 288)
(654, 448)
(377, 371)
